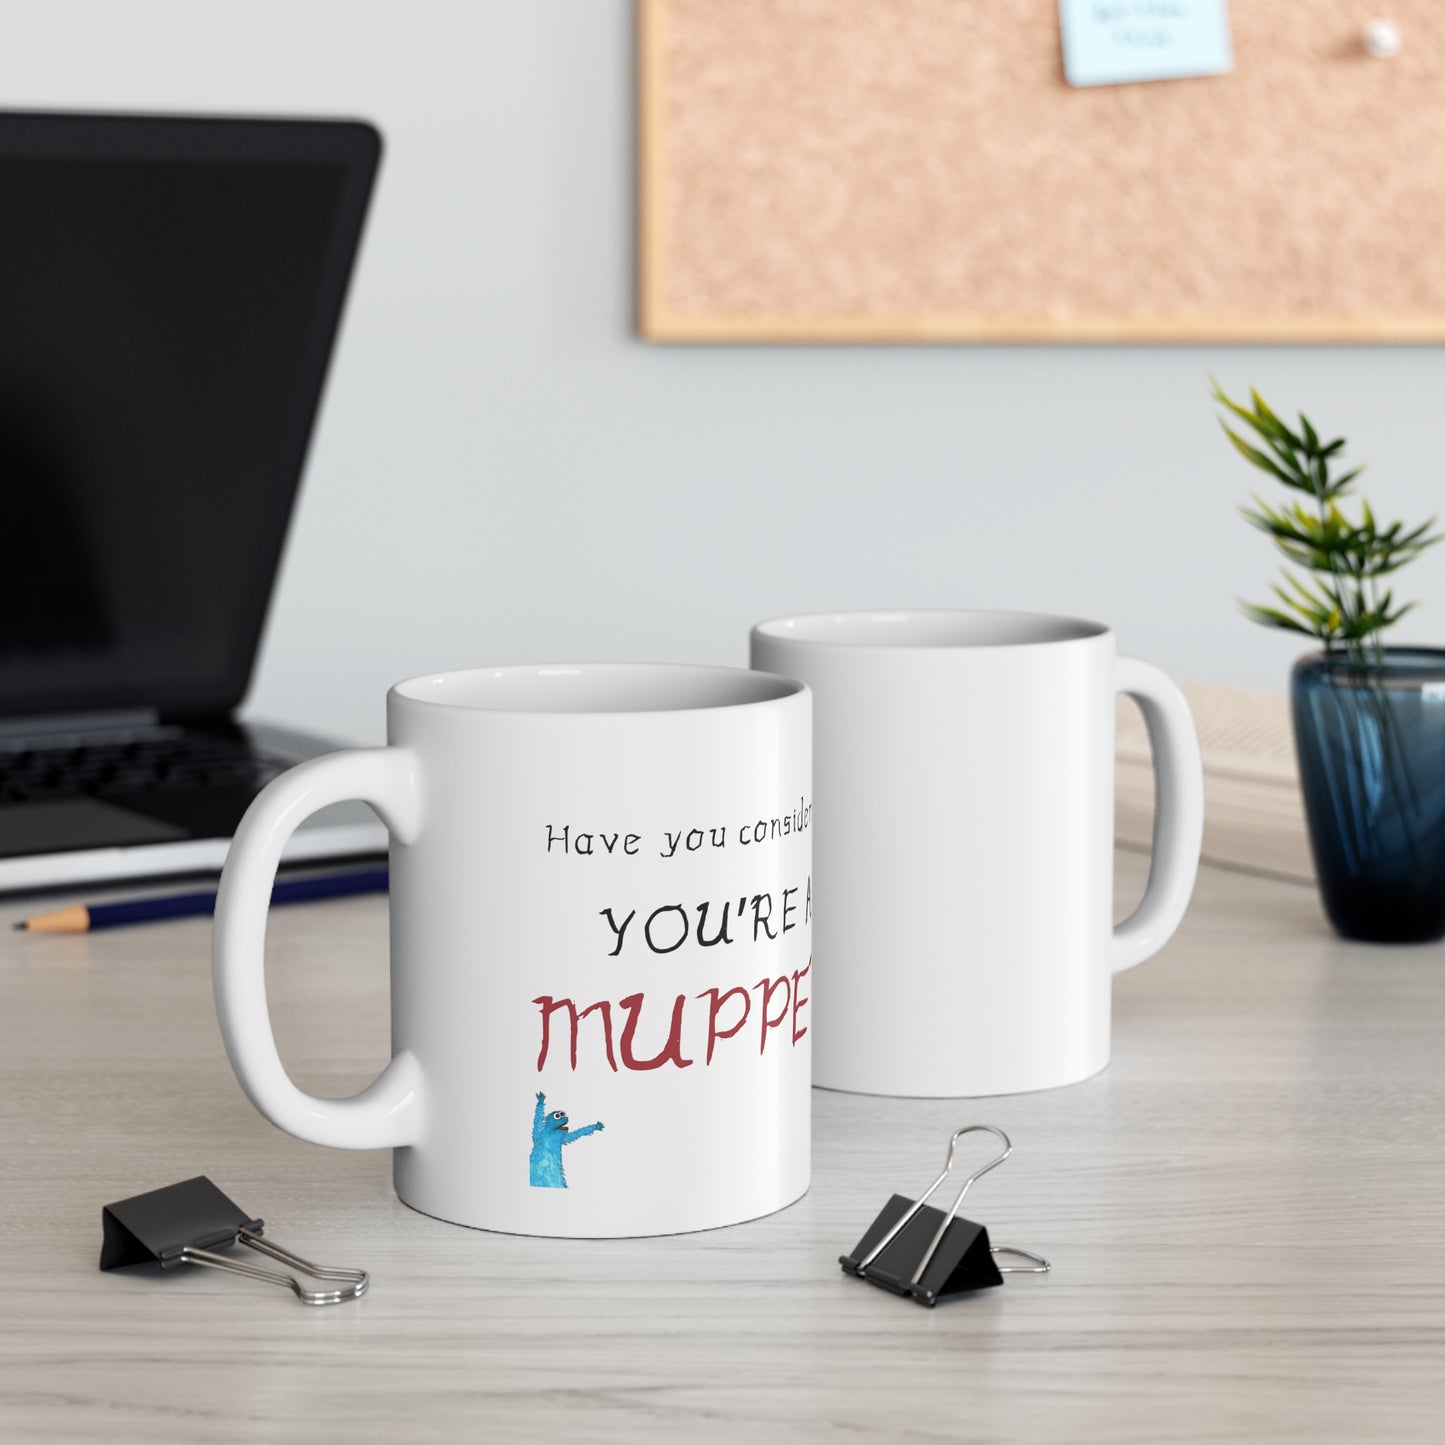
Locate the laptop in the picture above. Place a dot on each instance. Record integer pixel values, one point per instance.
(170, 290)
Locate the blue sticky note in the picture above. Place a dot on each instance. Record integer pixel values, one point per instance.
(1111, 42)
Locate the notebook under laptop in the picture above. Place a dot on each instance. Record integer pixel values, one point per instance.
(170, 289)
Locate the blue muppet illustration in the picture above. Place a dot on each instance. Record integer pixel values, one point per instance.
(549, 1134)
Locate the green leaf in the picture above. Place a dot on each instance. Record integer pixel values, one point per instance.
(1367, 625)
(1288, 458)
(1257, 457)
(1270, 421)
(1305, 605)
(1270, 617)
(1410, 538)
(1322, 594)
(1264, 422)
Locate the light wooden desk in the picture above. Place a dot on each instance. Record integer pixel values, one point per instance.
(1244, 1214)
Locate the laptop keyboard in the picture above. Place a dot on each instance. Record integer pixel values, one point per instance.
(110, 764)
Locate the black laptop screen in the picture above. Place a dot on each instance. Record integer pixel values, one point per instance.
(164, 327)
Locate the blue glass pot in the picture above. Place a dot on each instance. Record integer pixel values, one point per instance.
(1371, 744)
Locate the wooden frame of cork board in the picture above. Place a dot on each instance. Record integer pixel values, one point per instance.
(919, 170)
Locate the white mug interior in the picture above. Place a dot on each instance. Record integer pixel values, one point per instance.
(596, 687)
(929, 628)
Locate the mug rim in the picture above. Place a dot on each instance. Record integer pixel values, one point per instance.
(1068, 630)
(766, 688)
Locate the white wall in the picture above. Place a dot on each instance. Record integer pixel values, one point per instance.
(503, 472)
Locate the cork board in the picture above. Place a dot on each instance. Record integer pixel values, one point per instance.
(900, 170)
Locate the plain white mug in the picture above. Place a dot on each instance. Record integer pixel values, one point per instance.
(600, 947)
(964, 776)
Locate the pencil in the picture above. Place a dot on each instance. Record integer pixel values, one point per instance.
(80, 918)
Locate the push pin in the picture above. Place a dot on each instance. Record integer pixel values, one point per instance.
(187, 1223)
(916, 1250)
(1381, 39)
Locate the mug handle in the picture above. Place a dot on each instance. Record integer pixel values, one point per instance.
(1178, 812)
(390, 1112)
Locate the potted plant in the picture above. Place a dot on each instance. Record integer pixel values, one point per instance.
(1369, 719)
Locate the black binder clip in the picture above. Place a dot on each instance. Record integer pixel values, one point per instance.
(187, 1223)
(916, 1250)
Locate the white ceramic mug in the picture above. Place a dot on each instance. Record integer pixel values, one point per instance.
(964, 775)
(600, 942)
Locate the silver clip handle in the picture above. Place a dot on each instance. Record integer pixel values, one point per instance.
(356, 1280)
(923, 1198)
(1040, 1264)
(968, 1183)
